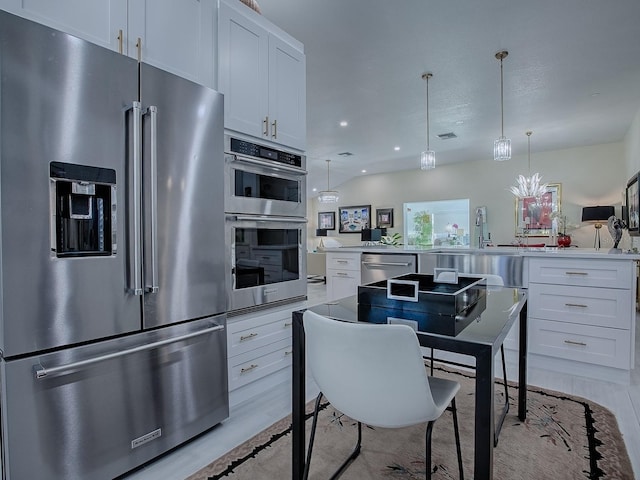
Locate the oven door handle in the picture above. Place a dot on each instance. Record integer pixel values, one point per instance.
(265, 218)
(267, 164)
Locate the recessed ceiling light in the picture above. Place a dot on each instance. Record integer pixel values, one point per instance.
(344, 123)
(396, 148)
(364, 171)
(315, 190)
(460, 122)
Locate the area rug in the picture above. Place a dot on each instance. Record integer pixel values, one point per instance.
(563, 437)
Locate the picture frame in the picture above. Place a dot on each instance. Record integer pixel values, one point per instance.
(384, 217)
(533, 215)
(632, 198)
(327, 220)
(354, 218)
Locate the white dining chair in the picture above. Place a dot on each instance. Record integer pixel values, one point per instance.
(375, 374)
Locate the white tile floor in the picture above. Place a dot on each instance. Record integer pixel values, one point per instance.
(256, 414)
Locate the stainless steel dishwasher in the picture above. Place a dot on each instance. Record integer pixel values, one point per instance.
(375, 267)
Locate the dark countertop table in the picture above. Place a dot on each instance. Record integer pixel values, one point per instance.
(482, 339)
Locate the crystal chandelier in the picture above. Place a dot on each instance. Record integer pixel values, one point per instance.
(529, 186)
(328, 196)
(428, 157)
(502, 146)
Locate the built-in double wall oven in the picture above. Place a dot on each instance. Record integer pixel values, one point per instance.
(265, 224)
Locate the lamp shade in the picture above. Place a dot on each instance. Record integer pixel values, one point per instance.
(321, 232)
(597, 214)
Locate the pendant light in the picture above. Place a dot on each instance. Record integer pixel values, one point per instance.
(502, 146)
(529, 186)
(328, 196)
(428, 157)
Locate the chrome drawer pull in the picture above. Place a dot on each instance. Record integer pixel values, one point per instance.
(576, 273)
(288, 324)
(247, 337)
(575, 305)
(341, 274)
(248, 369)
(342, 261)
(288, 352)
(571, 342)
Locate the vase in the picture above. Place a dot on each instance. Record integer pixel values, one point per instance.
(564, 240)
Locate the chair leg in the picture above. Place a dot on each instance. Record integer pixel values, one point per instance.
(505, 409)
(427, 452)
(350, 458)
(456, 431)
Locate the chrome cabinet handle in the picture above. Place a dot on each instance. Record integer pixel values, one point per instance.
(288, 352)
(274, 129)
(41, 372)
(342, 274)
(120, 39)
(248, 369)
(135, 220)
(247, 337)
(576, 273)
(575, 305)
(139, 47)
(386, 264)
(153, 157)
(571, 342)
(265, 122)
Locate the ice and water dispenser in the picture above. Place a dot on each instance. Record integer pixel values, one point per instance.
(83, 210)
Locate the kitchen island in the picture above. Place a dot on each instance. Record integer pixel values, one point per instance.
(582, 302)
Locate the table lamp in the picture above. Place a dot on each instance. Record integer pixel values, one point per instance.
(597, 215)
(321, 232)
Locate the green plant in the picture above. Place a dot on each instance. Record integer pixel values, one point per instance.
(391, 239)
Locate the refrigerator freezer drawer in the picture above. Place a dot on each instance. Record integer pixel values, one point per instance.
(99, 411)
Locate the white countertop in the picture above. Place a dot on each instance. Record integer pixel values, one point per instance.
(571, 252)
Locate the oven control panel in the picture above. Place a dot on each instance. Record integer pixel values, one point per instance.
(243, 147)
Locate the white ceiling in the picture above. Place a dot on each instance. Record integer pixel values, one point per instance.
(572, 77)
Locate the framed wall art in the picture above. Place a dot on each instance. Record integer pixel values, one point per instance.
(633, 206)
(327, 220)
(354, 219)
(384, 217)
(533, 215)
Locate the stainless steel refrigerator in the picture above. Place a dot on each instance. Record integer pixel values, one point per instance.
(112, 323)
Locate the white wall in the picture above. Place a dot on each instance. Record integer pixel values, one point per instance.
(594, 175)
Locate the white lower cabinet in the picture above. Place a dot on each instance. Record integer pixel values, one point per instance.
(581, 314)
(259, 352)
(343, 274)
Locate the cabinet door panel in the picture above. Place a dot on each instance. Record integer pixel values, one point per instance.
(97, 21)
(243, 71)
(287, 94)
(176, 36)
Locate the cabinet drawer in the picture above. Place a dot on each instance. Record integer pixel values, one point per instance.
(598, 345)
(258, 363)
(582, 272)
(343, 261)
(256, 335)
(606, 307)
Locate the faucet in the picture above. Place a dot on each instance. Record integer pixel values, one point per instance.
(480, 223)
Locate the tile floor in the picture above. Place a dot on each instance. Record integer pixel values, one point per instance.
(250, 417)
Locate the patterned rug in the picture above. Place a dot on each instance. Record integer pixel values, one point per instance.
(563, 437)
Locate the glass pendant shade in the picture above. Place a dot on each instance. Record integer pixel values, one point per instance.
(502, 146)
(328, 195)
(428, 157)
(502, 149)
(428, 160)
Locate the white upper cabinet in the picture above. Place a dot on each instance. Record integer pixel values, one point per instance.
(171, 35)
(262, 74)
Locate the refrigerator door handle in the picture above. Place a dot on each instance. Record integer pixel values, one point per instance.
(153, 159)
(135, 224)
(42, 372)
